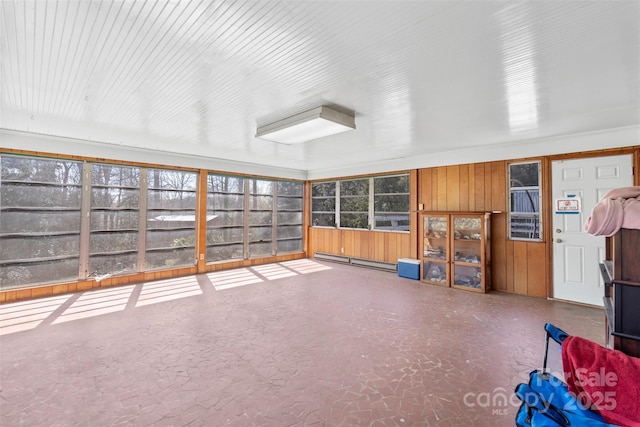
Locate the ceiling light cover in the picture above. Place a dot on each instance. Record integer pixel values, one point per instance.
(313, 124)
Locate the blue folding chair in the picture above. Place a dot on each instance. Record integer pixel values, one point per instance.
(546, 400)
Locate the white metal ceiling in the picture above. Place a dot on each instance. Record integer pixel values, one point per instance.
(431, 82)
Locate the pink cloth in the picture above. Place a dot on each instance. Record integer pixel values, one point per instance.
(619, 208)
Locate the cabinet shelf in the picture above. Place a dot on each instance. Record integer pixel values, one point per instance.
(621, 275)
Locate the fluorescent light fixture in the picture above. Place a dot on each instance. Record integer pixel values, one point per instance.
(312, 124)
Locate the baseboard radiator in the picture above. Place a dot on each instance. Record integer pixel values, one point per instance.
(360, 262)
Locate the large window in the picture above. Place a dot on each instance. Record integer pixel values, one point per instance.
(171, 218)
(525, 222)
(260, 217)
(225, 218)
(248, 217)
(115, 219)
(40, 211)
(289, 216)
(378, 203)
(63, 221)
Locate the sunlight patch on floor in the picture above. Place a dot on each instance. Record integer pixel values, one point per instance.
(22, 316)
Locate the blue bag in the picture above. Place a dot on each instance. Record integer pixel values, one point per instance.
(535, 411)
(546, 400)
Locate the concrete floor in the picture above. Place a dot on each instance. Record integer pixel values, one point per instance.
(290, 344)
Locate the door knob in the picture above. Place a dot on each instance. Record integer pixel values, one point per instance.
(558, 230)
(558, 240)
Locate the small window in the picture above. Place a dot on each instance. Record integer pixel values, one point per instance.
(391, 203)
(525, 222)
(323, 204)
(354, 203)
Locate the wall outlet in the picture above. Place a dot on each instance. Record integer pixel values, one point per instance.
(341, 250)
(201, 257)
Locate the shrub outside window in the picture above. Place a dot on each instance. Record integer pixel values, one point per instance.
(354, 203)
(391, 203)
(323, 204)
(378, 203)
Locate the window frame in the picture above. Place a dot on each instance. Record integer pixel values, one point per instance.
(371, 213)
(536, 215)
(241, 227)
(407, 194)
(67, 242)
(341, 211)
(335, 210)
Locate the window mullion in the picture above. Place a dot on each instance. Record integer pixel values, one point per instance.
(85, 223)
(274, 219)
(142, 219)
(245, 217)
(371, 215)
(337, 219)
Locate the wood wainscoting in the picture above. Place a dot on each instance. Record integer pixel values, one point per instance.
(382, 246)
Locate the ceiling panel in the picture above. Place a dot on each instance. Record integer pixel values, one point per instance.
(430, 82)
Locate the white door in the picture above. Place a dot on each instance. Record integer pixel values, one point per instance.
(577, 254)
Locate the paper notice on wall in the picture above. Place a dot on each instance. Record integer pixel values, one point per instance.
(568, 205)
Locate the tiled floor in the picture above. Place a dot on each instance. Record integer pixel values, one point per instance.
(292, 344)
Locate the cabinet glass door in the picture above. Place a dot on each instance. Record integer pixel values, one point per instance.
(435, 249)
(467, 252)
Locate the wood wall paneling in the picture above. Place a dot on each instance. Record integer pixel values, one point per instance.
(453, 188)
(464, 188)
(500, 254)
(520, 270)
(479, 187)
(506, 284)
(536, 269)
(441, 201)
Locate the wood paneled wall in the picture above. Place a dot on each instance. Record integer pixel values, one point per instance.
(376, 245)
(516, 266)
(519, 267)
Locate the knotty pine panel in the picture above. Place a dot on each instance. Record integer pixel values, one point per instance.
(536, 269)
(498, 186)
(463, 187)
(499, 253)
(324, 240)
(441, 203)
(453, 188)
(478, 187)
(520, 267)
(508, 266)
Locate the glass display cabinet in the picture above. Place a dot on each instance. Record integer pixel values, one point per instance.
(435, 252)
(455, 249)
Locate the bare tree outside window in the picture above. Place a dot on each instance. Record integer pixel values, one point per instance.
(40, 207)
